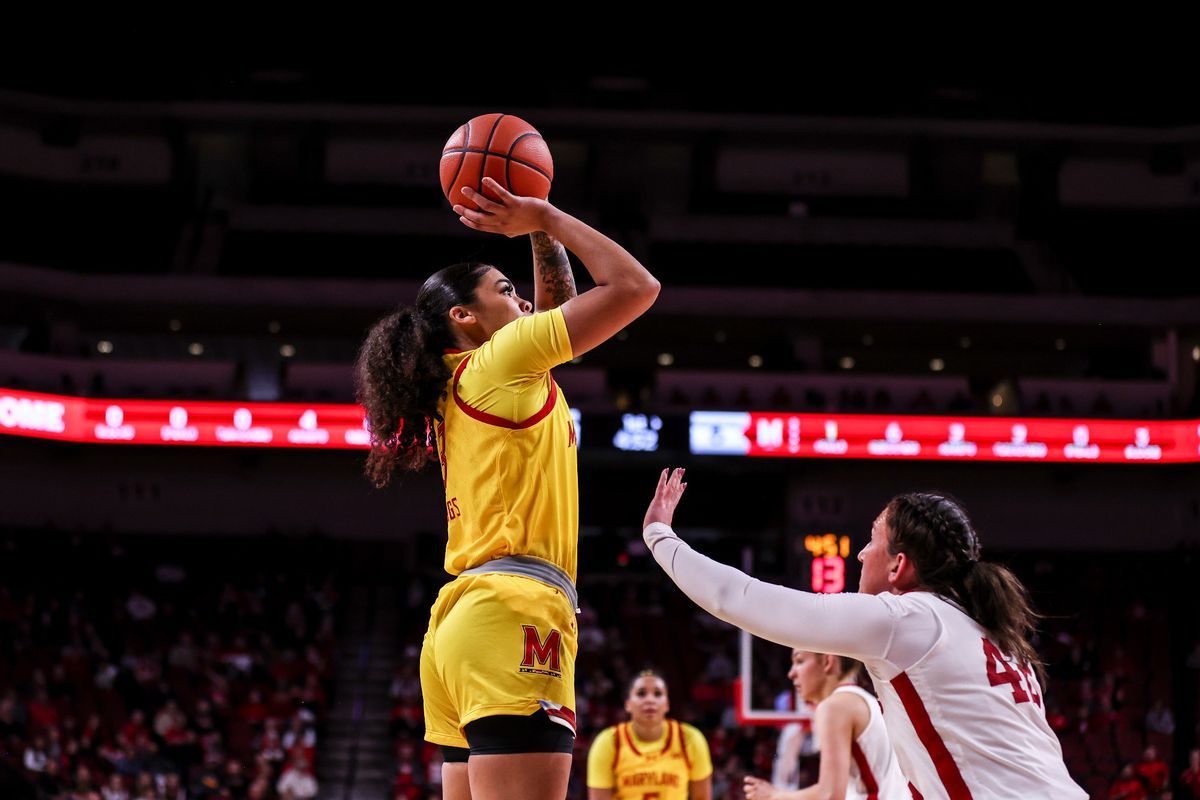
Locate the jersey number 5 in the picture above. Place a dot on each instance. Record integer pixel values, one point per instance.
(999, 671)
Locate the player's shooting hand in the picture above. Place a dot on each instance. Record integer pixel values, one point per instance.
(509, 214)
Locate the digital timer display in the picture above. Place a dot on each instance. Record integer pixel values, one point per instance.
(829, 553)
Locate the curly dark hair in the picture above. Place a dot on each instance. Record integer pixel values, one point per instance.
(934, 531)
(400, 376)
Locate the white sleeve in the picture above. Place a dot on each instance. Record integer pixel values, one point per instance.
(861, 626)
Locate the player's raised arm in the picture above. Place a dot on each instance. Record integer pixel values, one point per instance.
(554, 283)
(855, 625)
(624, 289)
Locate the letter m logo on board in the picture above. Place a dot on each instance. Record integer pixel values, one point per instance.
(545, 653)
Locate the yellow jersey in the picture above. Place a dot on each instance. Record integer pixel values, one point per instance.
(507, 446)
(634, 769)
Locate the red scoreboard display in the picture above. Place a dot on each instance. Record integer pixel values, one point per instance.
(708, 433)
(944, 438)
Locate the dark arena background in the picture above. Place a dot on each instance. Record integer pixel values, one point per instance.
(989, 291)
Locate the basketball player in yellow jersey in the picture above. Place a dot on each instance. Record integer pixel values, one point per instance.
(466, 368)
(650, 757)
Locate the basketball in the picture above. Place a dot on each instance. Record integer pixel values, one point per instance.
(502, 147)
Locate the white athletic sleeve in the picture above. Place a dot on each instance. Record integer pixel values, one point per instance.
(880, 629)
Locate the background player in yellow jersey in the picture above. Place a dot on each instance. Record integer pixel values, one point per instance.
(650, 757)
(467, 367)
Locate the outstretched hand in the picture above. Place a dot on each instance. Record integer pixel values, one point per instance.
(666, 497)
(510, 214)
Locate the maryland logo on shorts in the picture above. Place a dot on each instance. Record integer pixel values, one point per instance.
(542, 657)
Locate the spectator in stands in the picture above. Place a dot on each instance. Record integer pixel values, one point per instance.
(270, 745)
(115, 789)
(1127, 786)
(253, 711)
(170, 723)
(203, 722)
(260, 789)
(1189, 779)
(49, 780)
(206, 785)
(85, 786)
(1159, 719)
(300, 735)
(35, 755)
(263, 768)
(310, 696)
(235, 779)
(11, 724)
(171, 786)
(1152, 770)
(106, 676)
(297, 781)
(144, 788)
(43, 714)
(185, 655)
(135, 729)
(140, 607)
(92, 734)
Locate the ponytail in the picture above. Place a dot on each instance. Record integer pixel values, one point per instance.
(934, 532)
(997, 600)
(400, 375)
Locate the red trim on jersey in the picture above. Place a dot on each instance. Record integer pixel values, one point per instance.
(916, 795)
(671, 726)
(563, 713)
(491, 419)
(947, 770)
(670, 736)
(629, 740)
(864, 771)
(687, 760)
(439, 439)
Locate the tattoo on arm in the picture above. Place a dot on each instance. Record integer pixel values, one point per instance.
(555, 281)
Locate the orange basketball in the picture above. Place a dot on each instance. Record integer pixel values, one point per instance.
(502, 147)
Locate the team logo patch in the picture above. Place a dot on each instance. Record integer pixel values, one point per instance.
(542, 657)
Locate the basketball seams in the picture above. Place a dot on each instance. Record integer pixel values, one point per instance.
(508, 157)
(462, 158)
(487, 151)
(524, 180)
(520, 161)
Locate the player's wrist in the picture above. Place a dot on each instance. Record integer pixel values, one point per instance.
(655, 532)
(550, 219)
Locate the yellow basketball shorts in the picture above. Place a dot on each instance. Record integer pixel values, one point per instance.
(497, 644)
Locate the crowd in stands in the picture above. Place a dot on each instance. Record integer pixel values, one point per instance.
(168, 668)
(161, 668)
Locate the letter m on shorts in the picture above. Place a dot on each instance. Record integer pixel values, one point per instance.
(546, 652)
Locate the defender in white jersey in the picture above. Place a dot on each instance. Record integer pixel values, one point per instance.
(943, 636)
(857, 762)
